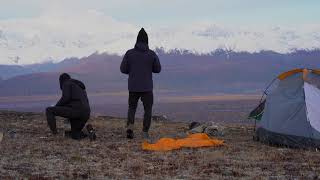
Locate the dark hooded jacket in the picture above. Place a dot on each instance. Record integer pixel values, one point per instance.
(139, 63)
(74, 94)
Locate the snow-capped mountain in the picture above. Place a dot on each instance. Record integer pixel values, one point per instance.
(54, 37)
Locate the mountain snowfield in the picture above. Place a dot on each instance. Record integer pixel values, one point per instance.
(54, 37)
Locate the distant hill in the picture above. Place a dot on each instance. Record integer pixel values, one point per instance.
(184, 72)
(7, 71)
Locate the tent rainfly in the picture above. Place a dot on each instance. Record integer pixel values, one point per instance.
(290, 113)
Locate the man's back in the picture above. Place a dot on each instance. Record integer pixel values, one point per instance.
(140, 63)
(74, 95)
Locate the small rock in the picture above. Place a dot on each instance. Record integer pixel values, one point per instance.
(227, 172)
(85, 176)
(313, 175)
(28, 152)
(12, 134)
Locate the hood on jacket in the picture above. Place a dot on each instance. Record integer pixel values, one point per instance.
(63, 78)
(141, 46)
(142, 37)
(142, 41)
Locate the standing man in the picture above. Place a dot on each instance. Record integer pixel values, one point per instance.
(139, 63)
(73, 105)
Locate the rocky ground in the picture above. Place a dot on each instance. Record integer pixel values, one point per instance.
(27, 150)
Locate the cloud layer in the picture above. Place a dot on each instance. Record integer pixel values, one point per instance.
(56, 35)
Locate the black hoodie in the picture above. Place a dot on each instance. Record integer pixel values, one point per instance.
(74, 94)
(139, 63)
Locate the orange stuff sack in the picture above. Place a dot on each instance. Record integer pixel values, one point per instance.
(192, 141)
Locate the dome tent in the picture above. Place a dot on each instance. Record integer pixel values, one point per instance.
(291, 112)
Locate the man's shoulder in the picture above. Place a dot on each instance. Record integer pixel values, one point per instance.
(134, 51)
(130, 51)
(151, 52)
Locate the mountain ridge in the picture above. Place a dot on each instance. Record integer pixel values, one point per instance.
(8, 71)
(220, 72)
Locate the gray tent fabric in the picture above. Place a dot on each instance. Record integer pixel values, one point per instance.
(312, 96)
(285, 119)
(279, 139)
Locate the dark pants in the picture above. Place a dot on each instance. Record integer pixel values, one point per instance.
(147, 100)
(77, 119)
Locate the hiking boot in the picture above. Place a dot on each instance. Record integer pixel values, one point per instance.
(129, 134)
(78, 136)
(145, 135)
(91, 132)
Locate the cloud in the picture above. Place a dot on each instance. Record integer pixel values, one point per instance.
(61, 32)
(65, 34)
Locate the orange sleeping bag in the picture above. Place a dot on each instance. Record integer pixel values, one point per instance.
(192, 141)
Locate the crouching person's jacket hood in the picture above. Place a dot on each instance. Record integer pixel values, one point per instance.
(73, 94)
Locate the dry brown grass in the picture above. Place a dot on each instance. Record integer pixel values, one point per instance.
(33, 153)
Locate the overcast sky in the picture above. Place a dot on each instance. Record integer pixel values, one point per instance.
(34, 31)
(175, 12)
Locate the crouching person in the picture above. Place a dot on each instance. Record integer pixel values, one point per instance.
(73, 105)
